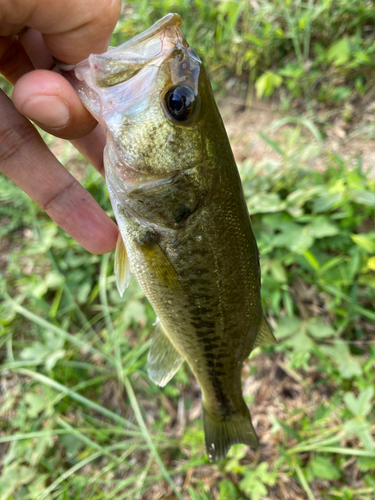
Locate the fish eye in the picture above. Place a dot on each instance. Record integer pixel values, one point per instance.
(181, 102)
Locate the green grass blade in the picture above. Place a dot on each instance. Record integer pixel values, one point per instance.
(74, 469)
(84, 438)
(107, 315)
(304, 483)
(80, 399)
(347, 451)
(147, 437)
(59, 331)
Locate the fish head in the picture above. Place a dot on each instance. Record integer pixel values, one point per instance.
(153, 97)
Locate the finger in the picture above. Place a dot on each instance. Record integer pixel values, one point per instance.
(22, 53)
(72, 29)
(34, 46)
(27, 161)
(92, 146)
(14, 62)
(50, 101)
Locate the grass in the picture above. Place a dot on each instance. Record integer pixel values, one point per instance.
(318, 52)
(79, 417)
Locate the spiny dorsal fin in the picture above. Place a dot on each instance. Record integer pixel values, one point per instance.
(122, 267)
(163, 359)
(265, 336)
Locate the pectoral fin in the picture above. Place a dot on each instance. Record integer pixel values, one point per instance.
(159, 264)
(265, 336)
(122, 267)
(163, 359)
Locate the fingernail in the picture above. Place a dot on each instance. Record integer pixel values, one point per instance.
(50, 111)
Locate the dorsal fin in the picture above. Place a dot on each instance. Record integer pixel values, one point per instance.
(122, 267)
(163, 359)
(264, 336)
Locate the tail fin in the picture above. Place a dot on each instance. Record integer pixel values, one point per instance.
(222, 432)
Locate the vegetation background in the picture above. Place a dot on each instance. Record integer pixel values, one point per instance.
(79, 417)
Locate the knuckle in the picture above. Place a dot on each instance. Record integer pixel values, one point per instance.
(107, 13)
(14, 138)
(60, 197)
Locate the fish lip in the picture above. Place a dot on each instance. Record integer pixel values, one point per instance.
(171, 20)
(150, 48)
(167, 30)
(168, 24)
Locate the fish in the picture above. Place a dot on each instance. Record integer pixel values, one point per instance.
(185, 230)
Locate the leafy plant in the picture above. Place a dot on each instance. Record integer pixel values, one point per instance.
(79, 416)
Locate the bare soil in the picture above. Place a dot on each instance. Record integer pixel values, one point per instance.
(351, 140)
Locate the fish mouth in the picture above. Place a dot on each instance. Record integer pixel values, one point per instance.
(123, 81)
(167, 29)
(150, 48)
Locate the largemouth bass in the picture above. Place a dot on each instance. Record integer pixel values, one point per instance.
(185, 228)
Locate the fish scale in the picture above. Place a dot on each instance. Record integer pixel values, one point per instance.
(185, 229)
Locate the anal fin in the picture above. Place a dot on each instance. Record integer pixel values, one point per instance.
(264, 336)
(163, 359)
(122, 267)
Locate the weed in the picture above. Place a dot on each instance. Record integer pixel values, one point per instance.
(79, 416)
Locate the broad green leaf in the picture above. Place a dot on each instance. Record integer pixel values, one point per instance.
(135, 312)
(324, 468)
(351, 403)
(37, 351)
(349, 367)
(362, 58)
(287, 326)
(53, 341)
(320, 227)
(362, 428)
(364, 197)
(227, 490)
(292, 69)
(264, 203)
(340, 93)
(278, 272)
(339, 52)
(13, 477)
(347, 364)
(83, 292)
(237, 451)
(293, 236)
(370, 480)
(251, 484)
(366, 463)
(267, 83)
(71, 443)
(327, 201)
(318, 329)
(365, 241)
(365, 435)
(36, 404)
(269, 477)
(301, 343)
(364, 401)
(53, 358)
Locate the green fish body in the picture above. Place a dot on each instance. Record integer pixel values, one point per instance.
(185, 229)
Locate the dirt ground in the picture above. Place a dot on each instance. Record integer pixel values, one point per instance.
(351, 140)
(273, 385)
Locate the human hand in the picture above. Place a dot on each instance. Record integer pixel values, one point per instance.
(32, 33)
